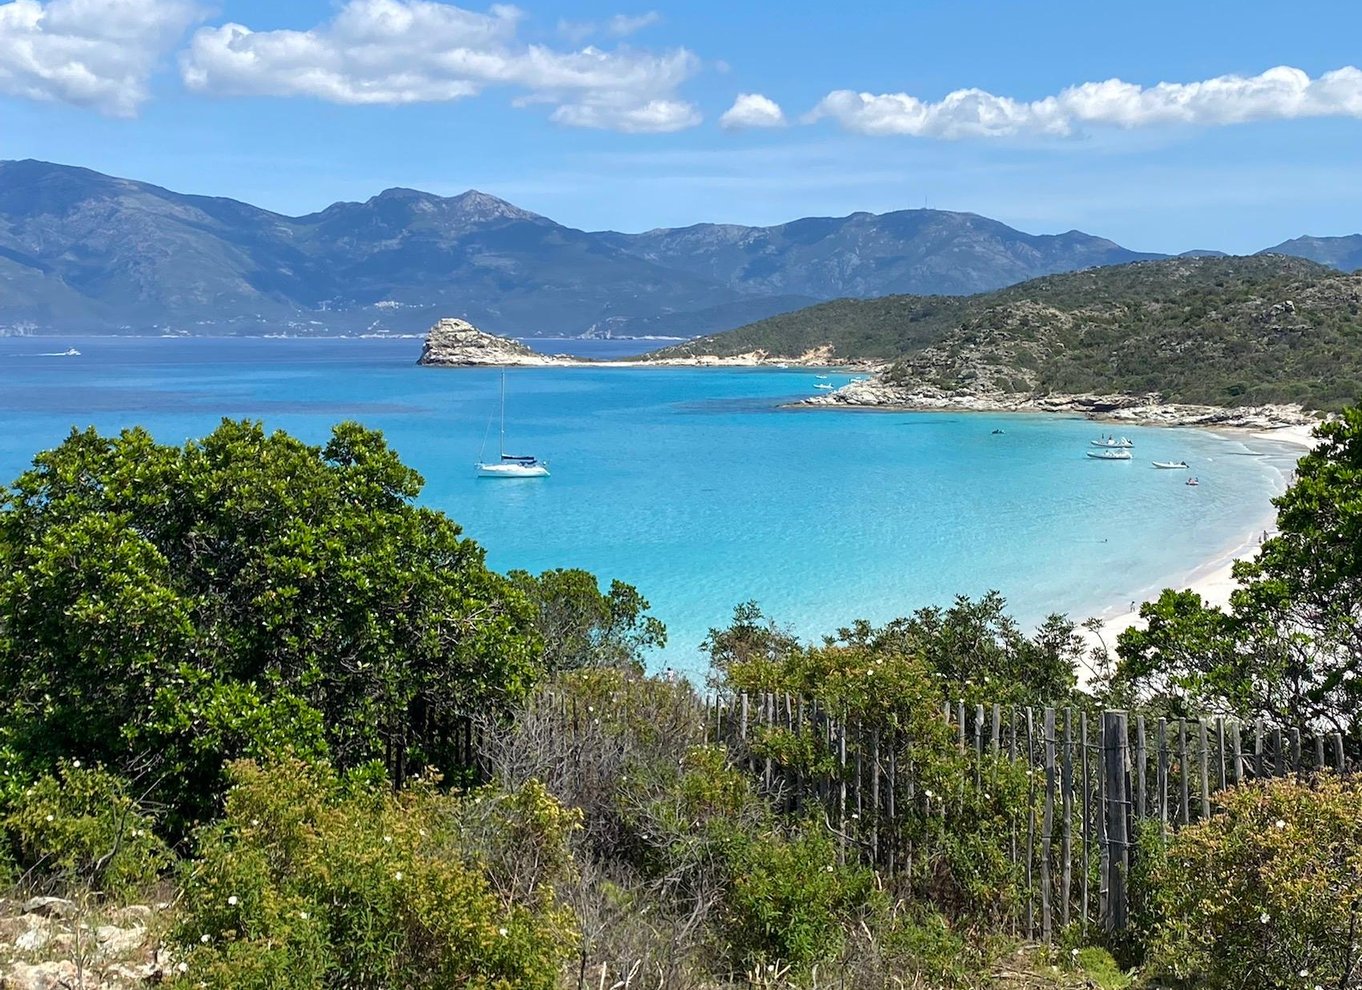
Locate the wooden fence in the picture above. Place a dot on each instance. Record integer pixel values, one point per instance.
(1095, 780)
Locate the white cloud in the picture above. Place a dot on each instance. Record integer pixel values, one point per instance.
(752, 110)
(623, 25)
(1280, 93)
(415, 51)
(90, 53)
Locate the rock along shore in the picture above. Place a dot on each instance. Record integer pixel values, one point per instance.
(1148, 410)
(454, 343)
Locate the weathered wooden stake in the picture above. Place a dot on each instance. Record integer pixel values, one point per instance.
(1047, 826)
(1066, 789)
(1118, 805)
(1205, 769)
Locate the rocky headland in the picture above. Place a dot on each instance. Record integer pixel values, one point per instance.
(1149, 409)
(455, 343)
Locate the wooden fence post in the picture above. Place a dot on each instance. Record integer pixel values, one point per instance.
(1118, 802)
(1163, 778)
(1140, 758)
(1205, 770)
(1047, 825)
(1185, 812)
(1066, 790)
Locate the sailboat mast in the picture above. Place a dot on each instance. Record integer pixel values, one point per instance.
(501, 442)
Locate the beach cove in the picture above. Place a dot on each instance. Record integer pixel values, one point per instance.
(696, 485)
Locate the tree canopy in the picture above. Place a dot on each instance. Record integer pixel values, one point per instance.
(1289, 646)
(165, 608)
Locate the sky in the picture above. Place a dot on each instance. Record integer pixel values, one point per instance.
(1164, 126)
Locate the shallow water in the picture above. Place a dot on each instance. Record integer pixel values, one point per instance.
(693, 484)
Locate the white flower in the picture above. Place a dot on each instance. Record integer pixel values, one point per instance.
(1074, 953)
(1264, 918)
(183, 967)
(76, 764)
(928, 793)
(397, 875)
(387, 838)
(502, 932)
(303, 915)
(827, 869)
(255, 823)
(205, 938)
(49, 818)
(232, 901)
(1280, 823)
(1304, 972)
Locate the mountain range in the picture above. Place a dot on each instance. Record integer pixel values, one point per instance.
(85, 252)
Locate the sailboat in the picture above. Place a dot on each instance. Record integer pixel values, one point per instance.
(510, 465)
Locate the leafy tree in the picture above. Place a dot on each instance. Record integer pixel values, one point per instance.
(1290, 645)
(581, 627)
(163, 608)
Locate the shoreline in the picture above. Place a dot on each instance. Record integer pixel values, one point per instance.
(1213, 578)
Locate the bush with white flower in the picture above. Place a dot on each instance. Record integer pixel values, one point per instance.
(81, 827)
(312, 879)
(1268, 892)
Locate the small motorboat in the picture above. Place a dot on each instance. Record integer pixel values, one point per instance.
(1110, 455)
(821, 385)
(1171, 465)
(1112, 442)
(820, 376)
(1192, 482)
(997, 433)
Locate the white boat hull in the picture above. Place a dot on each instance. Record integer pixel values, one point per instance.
(1113, 444)
(513, 471)
(1170, 467)
(1109, 455)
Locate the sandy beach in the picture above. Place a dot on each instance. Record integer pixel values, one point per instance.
(1214, 579)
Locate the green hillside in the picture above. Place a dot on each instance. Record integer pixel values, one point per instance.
(1222, 331)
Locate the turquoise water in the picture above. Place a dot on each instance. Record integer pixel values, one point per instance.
(693, 484)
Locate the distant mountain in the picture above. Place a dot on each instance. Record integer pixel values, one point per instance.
(84, 251)
(1222, 331)
(1343, 253)
(917, 251)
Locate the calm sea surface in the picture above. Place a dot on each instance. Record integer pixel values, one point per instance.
(692, 483)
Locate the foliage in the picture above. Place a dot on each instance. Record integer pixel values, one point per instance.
(1267, 892)
(581, 627)
(171, 607)
(781, 891)
(312, 880)
(882, 681)
(81, 827)
(971, 650)
(1223, 331)
(1288, 648)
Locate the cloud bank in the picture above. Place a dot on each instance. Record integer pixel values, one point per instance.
(1280, 93)
(91, 53)
(752, 110)
(415, 51)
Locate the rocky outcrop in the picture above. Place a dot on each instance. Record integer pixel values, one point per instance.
(49, 942)
(1150, 410)
(453, 343)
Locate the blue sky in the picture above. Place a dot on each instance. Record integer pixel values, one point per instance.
(609, 115)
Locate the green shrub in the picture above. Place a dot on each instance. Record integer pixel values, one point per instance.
(790, 900)
(313, 880)
(80, 826)
(1264, 893)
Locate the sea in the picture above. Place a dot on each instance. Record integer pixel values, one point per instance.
(701, 486)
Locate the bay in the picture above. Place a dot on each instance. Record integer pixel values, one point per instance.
(695, 484)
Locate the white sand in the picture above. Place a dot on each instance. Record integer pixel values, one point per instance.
(1214, 579)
